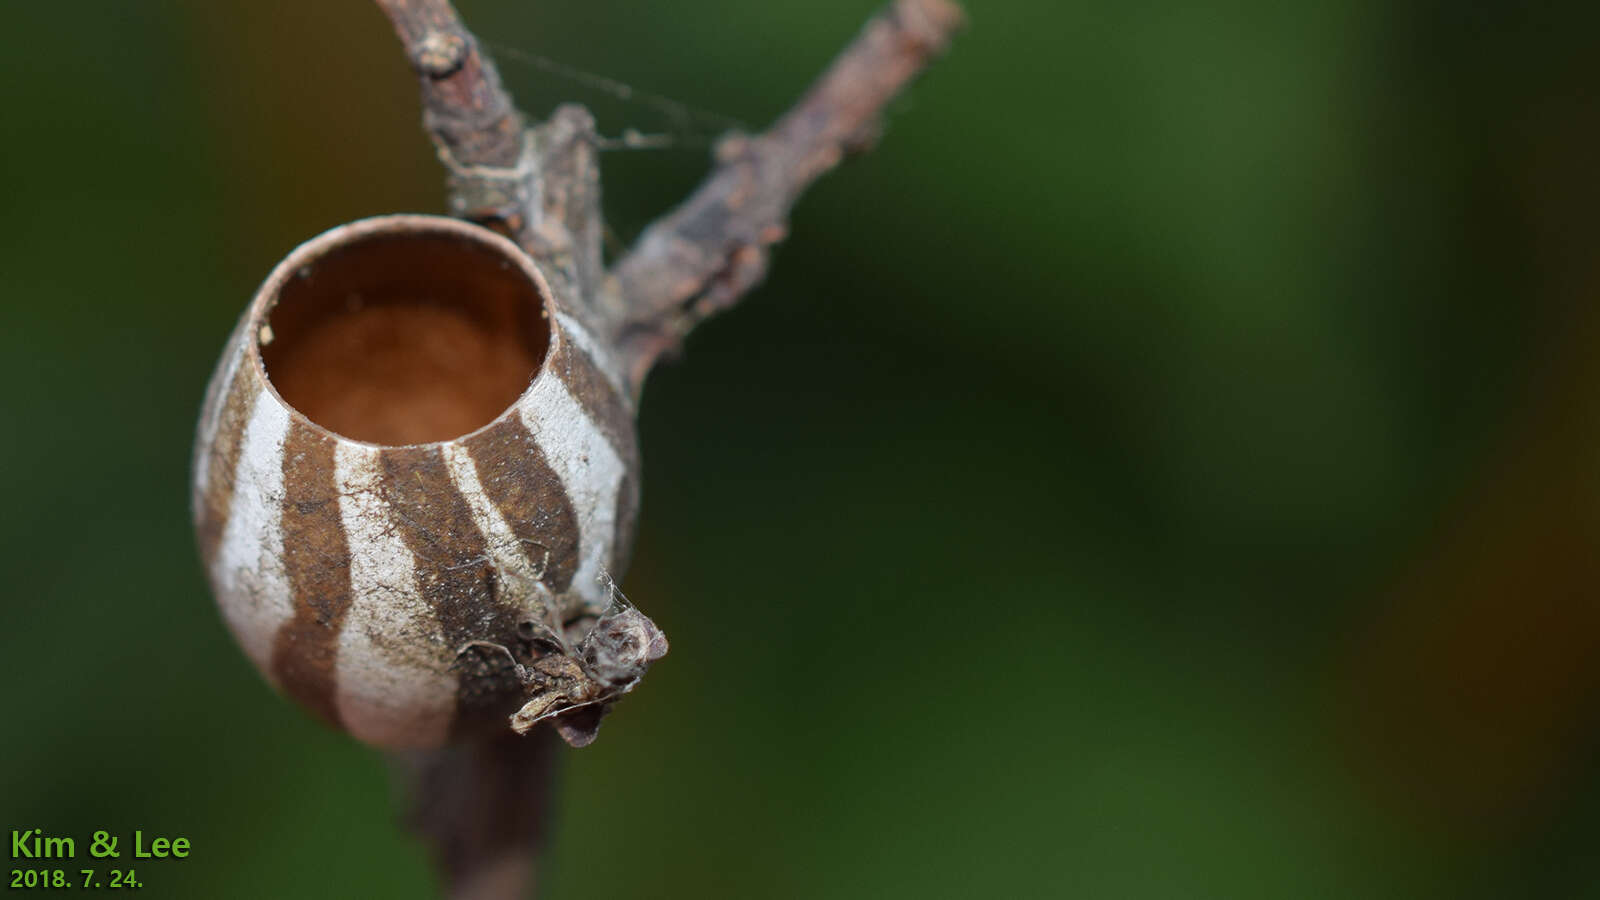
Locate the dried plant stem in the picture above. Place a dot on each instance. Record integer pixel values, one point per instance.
(475, 126)
(703, 256)
(481, 807)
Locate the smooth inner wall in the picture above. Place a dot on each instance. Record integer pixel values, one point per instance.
(405, 339)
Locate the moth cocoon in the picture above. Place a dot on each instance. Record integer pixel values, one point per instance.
(410, 447)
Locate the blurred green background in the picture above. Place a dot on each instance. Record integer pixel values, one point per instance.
(1166, 467)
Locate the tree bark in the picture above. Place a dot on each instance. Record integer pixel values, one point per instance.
(483, 809)
(482, 806)
(705, 255)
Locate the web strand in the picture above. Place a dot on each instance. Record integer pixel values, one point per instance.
(683, 118)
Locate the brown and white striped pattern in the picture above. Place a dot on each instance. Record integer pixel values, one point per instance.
(351, 574)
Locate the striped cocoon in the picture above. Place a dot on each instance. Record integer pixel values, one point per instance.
(410, 447)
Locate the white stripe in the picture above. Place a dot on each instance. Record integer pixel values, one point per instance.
(216, 401)
(574, 331)
(506, 551)
(590, 470)
(394, 687)
(249, 570)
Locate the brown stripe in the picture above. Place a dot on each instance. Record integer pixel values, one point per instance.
(604, 406)
(214, 499)
(453, 571)
(316, 557)
(518, 480)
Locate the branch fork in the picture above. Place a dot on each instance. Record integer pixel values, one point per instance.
(540, 185)
(481, 807)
